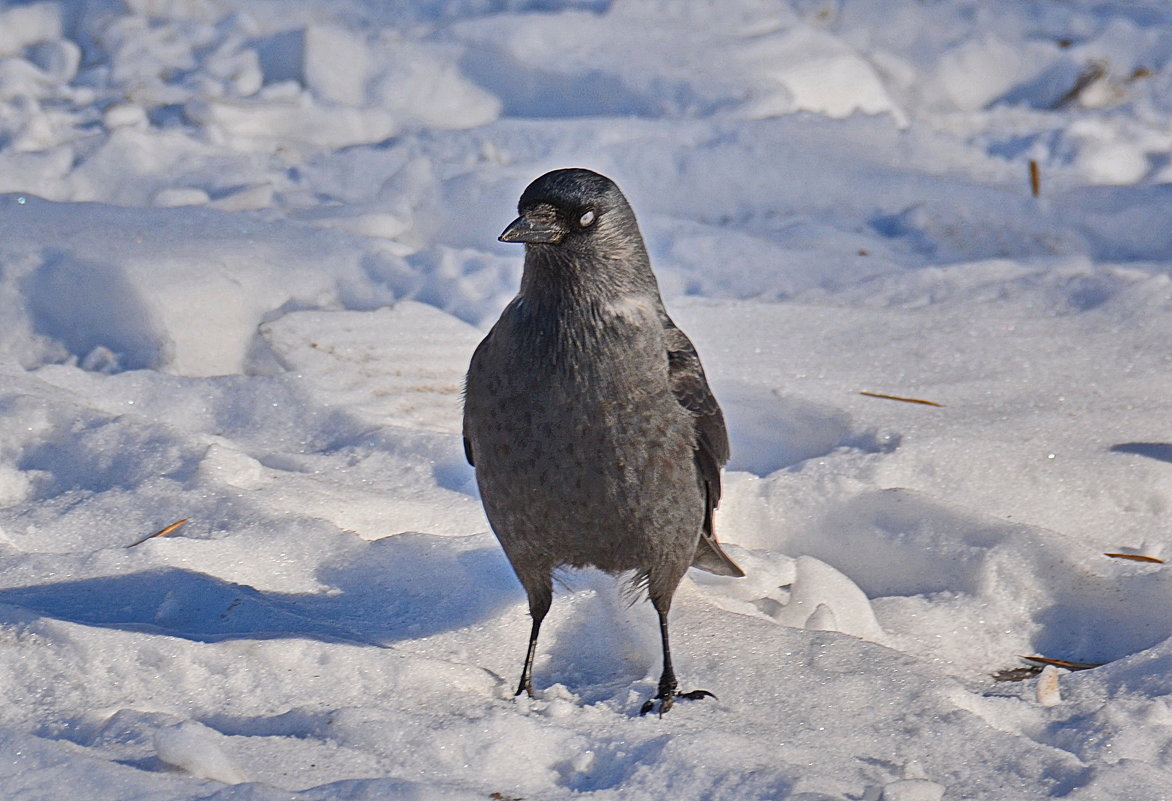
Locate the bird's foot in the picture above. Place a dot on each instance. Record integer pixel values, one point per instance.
(667, 699)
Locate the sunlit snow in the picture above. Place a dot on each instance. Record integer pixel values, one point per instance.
(248, 246)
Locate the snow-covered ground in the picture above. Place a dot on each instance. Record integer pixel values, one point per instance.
(247, 247)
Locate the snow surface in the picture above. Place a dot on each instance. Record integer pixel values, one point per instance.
(248, 247)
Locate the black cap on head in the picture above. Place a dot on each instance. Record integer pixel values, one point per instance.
(569, 189)
(563, 202)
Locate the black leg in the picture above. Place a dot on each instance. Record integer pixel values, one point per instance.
(668, 685)
(537, 608)
(667, 680)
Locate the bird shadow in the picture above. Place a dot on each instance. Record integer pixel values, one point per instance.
(1161, 451)
(399, 588)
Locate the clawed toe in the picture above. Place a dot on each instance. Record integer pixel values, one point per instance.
(667, 700)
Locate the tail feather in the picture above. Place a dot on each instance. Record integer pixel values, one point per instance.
(712, 558)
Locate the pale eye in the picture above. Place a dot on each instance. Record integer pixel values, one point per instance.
(586, 219)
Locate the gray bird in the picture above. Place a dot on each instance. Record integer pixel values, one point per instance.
(595, 437)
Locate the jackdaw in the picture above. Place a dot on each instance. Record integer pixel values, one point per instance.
(595, 437)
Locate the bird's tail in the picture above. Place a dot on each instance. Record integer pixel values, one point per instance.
(712, 558)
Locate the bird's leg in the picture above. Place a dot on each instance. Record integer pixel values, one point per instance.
(538, 605)
(667, 680)
(668, 685)
(526, 685)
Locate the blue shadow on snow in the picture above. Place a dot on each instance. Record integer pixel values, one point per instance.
(1161, 451)
(401, 588)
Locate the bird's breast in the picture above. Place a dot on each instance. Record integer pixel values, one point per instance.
(572, 423)
(589, 388)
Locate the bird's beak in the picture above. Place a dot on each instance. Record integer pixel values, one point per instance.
(534, 229)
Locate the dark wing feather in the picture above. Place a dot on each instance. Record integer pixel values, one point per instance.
(473, 367)
(691, 389)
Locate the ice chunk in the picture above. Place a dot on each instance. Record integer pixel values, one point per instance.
(823, 598)
(197, 749)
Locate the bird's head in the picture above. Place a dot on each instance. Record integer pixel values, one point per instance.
(576, 210)
(581, 236)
